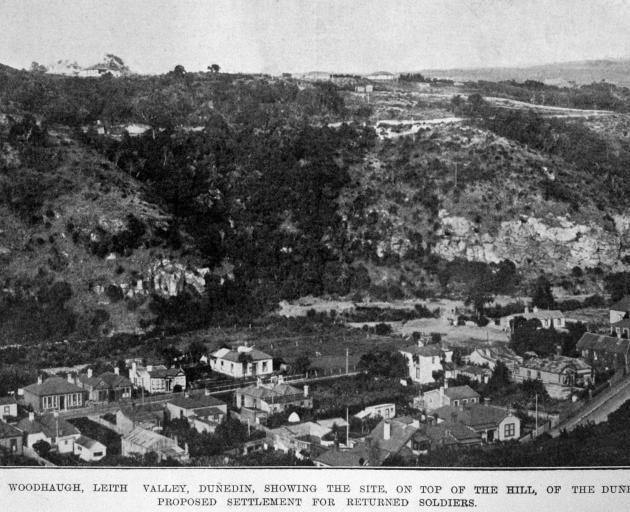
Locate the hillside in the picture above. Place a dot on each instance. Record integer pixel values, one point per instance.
(238, 191)
(616, 71)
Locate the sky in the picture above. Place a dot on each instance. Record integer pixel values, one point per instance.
(353, 36)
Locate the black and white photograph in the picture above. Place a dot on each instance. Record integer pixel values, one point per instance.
(328, 234)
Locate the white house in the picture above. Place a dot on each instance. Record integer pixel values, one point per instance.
(50, 428)
(493, 423)
(89, 449)
(157, 379)
(423, 361)
(8, 407)
(455, 396)
(620, 310)
(243, 361)
(203, 412)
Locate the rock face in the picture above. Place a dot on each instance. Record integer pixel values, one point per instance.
(168, 278)
(555, 243)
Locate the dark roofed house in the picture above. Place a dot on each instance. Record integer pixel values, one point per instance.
(621, 328)
(357, 456)
(493, 423)
(54, 394)
(243, 361)
(604, 351)
(445, 395)
(559, 374)
(50, 428)
(10, 438)
(204, 412)
(435, 435)
(149, 416)
(391, 438)
(157, 379)
(106, 387)
(260, 400)
(620, 310)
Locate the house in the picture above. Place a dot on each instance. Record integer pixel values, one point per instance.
(141, 442)
(549, 319)
(49, 427)
(89, 449)
(435, 435)
(204, 412)
(316, 76)
(260, 400)
(604, 351)
(356, 456)
(54, 394)
(559, 374)
(424, 360)
(391, 437)
(620, 310)
(621, 328)
(241, 362)
(493, 423)
(8, 407)
(106, 387)
(10, 439)
(331, 422)
(445, 395)
(382, 410)
(478, 374)
(149, 416)
(157, 379)
(301, 438)
(489, 356)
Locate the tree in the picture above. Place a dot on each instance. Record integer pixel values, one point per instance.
(179, 70)
(38, 68)
(302, 364)
(542, 296)
(42, 447)
(215, 68)
(500, 377)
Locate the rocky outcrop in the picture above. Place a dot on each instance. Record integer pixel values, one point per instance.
(169, 278)
(554, 243)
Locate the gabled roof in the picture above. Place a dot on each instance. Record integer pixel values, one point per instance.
(424, 351)
(87, 442)
(7, 431)
(354, 457)
(447, 433)
(476, 416)
(459, 392)
(400, 434)
(603, 343)
(114, 380)
(557, 364)
(51, 425)
(7, 400)
(235, 356)
(143, 413)
(53, 386)
(196, 402)
(277, 392)
(544, 314)
(621, 323)
(148, 439)
(163, 373)
(621, 305)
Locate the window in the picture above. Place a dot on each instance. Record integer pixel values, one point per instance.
(538, 375)
(464, 401)
(264, 366)
(509, 430)
(7, 409)
(455, 402)
(98, 454)
(529, 374)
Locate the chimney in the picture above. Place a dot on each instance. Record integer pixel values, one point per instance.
(89, 373)
(558, 350)
(305, 390)
(133, 366)
(39, 379)
(117, 370)
(387, 430)
(486, 400)
(31, 416)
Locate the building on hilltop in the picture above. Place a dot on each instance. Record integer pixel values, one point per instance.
(241, 362)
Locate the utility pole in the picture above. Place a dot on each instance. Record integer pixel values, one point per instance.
(346, 360)
(347, 430)
(536, 431)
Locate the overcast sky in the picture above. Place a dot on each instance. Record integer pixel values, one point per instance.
(153, 36)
